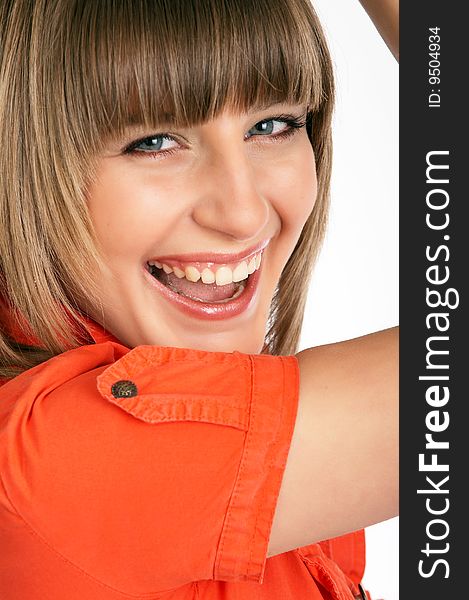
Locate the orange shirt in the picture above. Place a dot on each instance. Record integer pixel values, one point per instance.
(151, 473)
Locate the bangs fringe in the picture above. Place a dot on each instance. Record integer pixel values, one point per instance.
(145, 62)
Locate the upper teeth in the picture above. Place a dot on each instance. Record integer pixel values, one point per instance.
(221, 275)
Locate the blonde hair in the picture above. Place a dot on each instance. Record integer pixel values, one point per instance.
(74, 73)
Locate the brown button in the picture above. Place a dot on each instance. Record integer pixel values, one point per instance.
(124, 389)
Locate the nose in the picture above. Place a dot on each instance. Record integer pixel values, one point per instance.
(230, 200)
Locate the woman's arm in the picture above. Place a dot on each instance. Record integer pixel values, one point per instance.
(385, 16)
(342, 468)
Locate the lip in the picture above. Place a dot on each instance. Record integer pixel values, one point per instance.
(213, 258)
(206, 310)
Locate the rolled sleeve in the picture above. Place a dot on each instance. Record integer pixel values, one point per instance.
(155, 467)
(272, 412)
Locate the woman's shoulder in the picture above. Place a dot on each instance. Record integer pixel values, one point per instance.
(149, 443)
(41, 398)
(60, 369)
(151, 383)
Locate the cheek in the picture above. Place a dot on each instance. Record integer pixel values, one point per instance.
(127, 212)
(296, 189)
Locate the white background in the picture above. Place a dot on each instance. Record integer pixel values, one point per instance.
(354, 290)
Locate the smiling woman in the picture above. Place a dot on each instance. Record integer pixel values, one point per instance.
(164, 193)
(221, 200)
(124, 67)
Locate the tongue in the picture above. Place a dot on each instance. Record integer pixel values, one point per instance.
(206, 292)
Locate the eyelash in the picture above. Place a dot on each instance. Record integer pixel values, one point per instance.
(294, 125)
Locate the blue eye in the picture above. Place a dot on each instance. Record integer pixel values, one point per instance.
(267, 127)
(160, 145)
(276, 128)
(154, 143)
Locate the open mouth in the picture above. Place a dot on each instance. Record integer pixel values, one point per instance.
(205, 282)
(199, 292)
(207, 289)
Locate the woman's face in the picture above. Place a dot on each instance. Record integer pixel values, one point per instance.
(205, 204)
